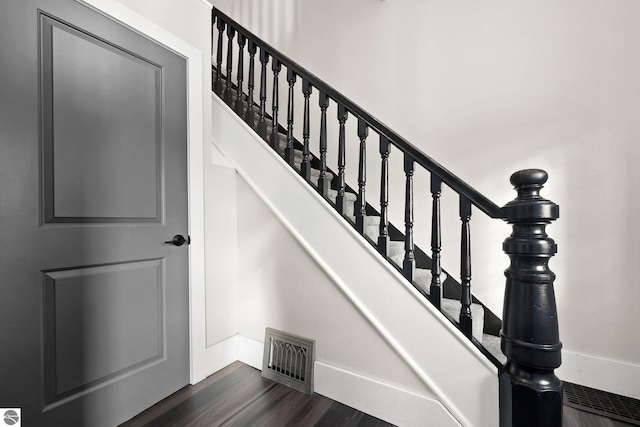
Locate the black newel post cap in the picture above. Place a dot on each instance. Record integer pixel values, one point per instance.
(529, 205)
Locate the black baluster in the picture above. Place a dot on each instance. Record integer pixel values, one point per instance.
(217, 85)
(530, 392)
(231, 32)
(408, 266)
(211, 58)
(435, 292)
(249, 115)
(305, 166)
(262, 123)
(289, 152)
(242, 40)
(275, 139)
(343, 114)
(465, 267)
(383, 235)
(323, 184)
(361, 204)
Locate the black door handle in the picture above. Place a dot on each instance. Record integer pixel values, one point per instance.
(179, 240)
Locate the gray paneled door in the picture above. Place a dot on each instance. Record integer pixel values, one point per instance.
(93, 181)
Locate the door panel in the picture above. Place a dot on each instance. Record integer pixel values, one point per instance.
(92, 182)
(100, 322)
(101, 149)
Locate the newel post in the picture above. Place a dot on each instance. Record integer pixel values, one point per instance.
(530, 392)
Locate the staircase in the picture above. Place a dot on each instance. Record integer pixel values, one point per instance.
(422, 277)
(449, 298)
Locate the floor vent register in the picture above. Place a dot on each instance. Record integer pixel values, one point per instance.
(603, 403)
(288, 359)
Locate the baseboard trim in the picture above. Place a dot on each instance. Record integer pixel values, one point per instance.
(387, 402)
(602, 374)
(250, 351)
(220, 355)
(234, 348)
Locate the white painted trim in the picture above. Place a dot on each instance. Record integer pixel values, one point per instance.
(206, 3)
(387, 402)
(221, 354)
(218, 159)
(462, 379)
(195, 124)
(227, 351)
(250, 351)
(602, 374)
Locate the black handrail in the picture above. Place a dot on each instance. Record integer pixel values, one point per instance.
(455, 183)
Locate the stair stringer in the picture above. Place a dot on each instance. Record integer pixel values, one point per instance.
(464, 380)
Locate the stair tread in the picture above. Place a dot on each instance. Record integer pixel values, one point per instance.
(492, 344)
(422, 278)
(368, 219)
(422, 281)
(452, 308)
(349, 197)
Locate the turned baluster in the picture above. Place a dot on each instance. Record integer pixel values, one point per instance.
(465, 266)
(323, 184)
(530, 392)
(262, 123)
(249, 116)
(305, 166)
(239, 107)
(217, 85)
(343, 114)
(435, 291)
(231, 32)
(361, 204)
(383, 236)
(409, 263)
(275, 138)
(211, 57)
(289, 152)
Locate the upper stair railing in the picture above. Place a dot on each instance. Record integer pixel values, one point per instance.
(530, 393)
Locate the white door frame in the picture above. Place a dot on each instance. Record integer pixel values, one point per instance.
(195, 165)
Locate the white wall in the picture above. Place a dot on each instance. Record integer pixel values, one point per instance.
(488, 88)
(281, 286)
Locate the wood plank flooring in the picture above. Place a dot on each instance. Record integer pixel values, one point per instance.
(572, 417)
(238, 396)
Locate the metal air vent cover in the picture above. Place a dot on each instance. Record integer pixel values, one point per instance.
(288, 359)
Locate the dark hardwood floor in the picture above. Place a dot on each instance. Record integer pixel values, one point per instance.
(575, 418)
(238, 396)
